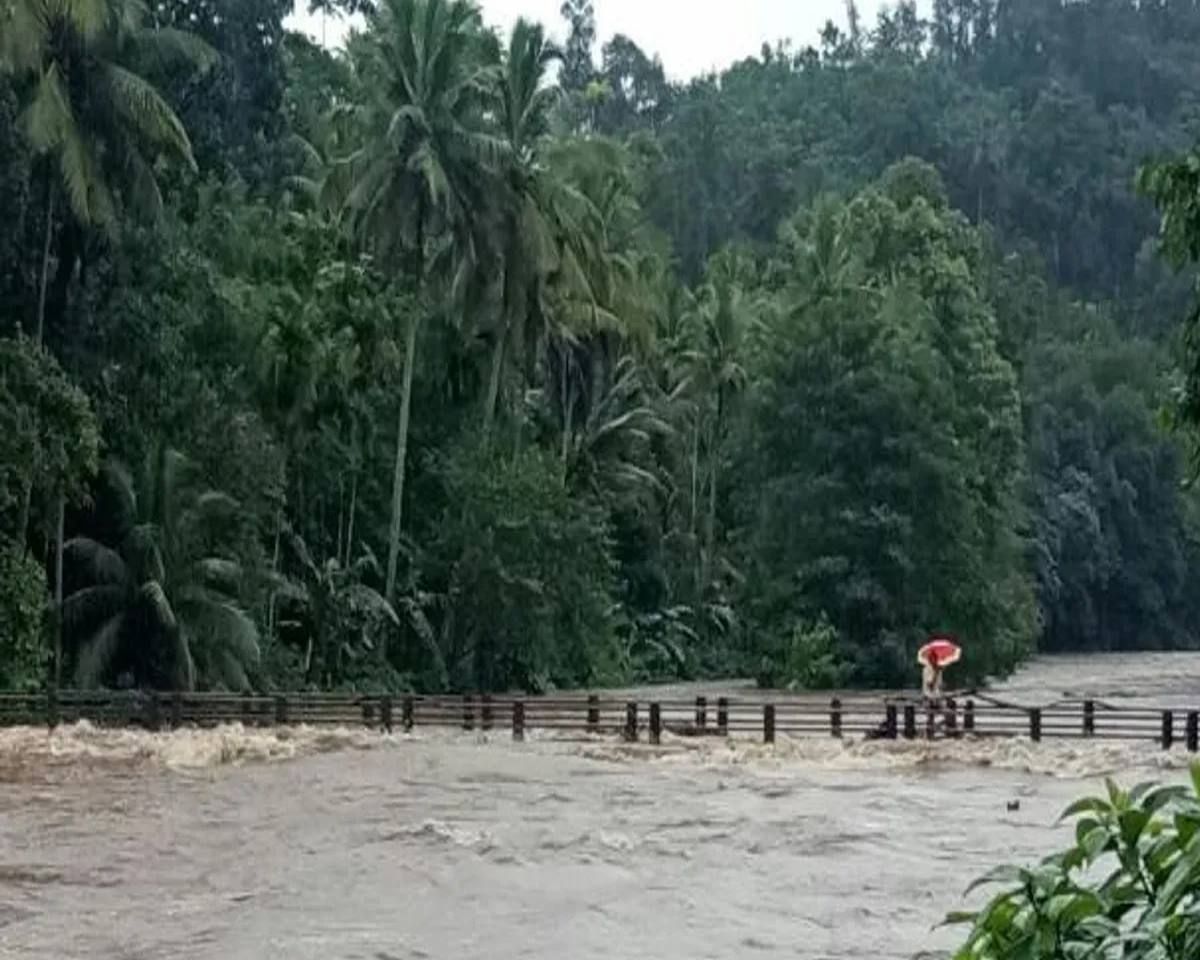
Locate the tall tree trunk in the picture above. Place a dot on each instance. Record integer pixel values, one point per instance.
(711, 517)
(699, 573)
(301, 505)
(40, 331)
(273, 600)
(568, 409)
(70, 250)
(350, 520)
(26, 503)
(44, 279)
(714, 465)
(341, 516)
(506, 311)
(58, 592)
(565, 444)
(710, 520)
(695, 472)
(410, 362)
(493, 388)
(17, 265)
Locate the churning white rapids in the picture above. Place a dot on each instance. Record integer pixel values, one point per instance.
(245, 845)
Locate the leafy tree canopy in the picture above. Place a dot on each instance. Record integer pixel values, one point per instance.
(773, 372)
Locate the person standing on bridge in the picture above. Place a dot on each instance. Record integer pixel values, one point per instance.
(934, 657)
(931, 681)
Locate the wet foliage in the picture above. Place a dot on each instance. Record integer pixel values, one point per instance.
(499, 362)
(1128, 887)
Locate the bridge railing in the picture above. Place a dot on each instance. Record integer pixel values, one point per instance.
(849, 715)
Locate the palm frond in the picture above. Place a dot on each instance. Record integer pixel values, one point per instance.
(311, 157)
(139, 548)
(53, 130)
(434, 181)
(366, 600)
(182, 662)
(85, 17)
(119, 481)
(367, 563)
(225, 626)
(124, 17)
(232, 672)
(154, 601)
(153, 562)
(525, 99)
(102, 601)
(23, 35)
(487, 150)
(406, 118)
(373, 179)
(628, 423)
(293, 592)
(219, 573)
(165, 47)
(419, 623)
(214, 506)
(98, 653)
(300, 549)
(142, 187)
(633, 477)
(148, 112)
(101, 564)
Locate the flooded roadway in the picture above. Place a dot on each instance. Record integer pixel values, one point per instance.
(242, 845)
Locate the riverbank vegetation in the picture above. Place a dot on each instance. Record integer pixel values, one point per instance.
(458, 361)
(1127, 887)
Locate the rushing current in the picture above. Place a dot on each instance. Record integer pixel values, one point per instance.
(310, 845)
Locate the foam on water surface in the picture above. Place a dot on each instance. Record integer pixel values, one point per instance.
(330, 844)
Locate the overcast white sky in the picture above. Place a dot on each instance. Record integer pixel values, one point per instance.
(691, 36)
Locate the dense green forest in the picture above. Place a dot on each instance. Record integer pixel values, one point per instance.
(454, 361)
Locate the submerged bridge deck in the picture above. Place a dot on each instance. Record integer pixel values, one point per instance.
(754, 714)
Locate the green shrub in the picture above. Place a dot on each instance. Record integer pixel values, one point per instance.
(23, 649)
(1128, 888)
(523, 573)
(810, 659)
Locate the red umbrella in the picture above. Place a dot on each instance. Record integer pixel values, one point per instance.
(939, 652)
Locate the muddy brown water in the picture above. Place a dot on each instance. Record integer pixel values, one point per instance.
(313, 845)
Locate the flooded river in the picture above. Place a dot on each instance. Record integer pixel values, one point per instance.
(241, 845)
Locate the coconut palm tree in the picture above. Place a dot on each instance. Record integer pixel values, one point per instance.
(161, 603)
(426, 68)
(343, 618)
(605, 428)
(89, 112)
(608, 293)
(530, 217)
(722, 324)
(97, 124)
(321, 185)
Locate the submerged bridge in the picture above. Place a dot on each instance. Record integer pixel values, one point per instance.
(762, 715)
